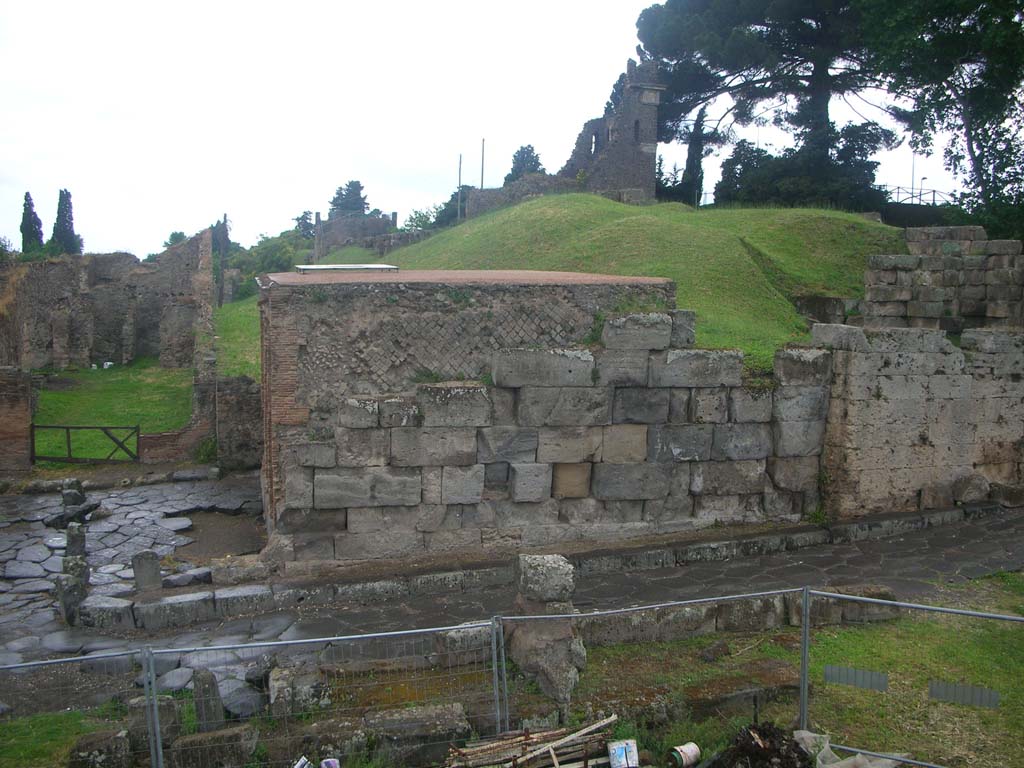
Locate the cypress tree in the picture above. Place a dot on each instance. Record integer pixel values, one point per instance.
(64, 238)
(31, 227)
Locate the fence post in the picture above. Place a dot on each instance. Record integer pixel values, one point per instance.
(504, 672)
(147, 692)
(156, 746)
(494, 674)
(805, 653)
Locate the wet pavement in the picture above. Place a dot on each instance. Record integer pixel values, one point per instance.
(914, 565)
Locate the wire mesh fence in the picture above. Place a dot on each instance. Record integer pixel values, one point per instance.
(97, 701)
(938, 685)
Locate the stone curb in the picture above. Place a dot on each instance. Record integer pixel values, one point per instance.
(230, 602)
(202, 474)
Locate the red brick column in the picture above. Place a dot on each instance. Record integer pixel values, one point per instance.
(15, 421)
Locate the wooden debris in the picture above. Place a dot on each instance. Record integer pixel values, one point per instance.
(586, 747)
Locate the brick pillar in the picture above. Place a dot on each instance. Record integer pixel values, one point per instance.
(15, 421)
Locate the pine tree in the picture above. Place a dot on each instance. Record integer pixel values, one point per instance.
(31, 227)
(349, 200)
(64, 239)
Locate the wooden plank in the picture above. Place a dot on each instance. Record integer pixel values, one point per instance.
(568, 739)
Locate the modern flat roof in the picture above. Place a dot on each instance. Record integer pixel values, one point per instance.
(454, 277)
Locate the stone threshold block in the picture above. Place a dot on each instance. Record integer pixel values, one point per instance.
(367, 487)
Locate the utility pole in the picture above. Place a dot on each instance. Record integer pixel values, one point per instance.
(458, 204)
(482, 163)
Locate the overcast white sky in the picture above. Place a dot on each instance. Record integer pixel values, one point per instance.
(165, 116)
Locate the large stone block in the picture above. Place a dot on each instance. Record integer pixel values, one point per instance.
(454, 404)
(315, 454)
(378, 544)
(631, 481)
(571, 481)
(841, 337)
(798, 438)
(799, 473)
(400, 411)
(696, 368)
(709, 405)
(801, 403)
(530, 482)
(545, 578)
(679, 406)
(298, 487)
(433, 447)
(728, 509)
(357, 412)
(362, 447)
(175, 611)
(564, 406)
(543, 368)
(684, 328)
(622, 368)
(680, 443)
(569, 445)
(508, 444)
(724, 478)
(425, 517)
(625, 444)
(104, 612)
(649, 330)
(747, 405)
(739, 442)
(243, 600)
(224, 748)
(462, 485)
(366, 487)
(803, 366)
(640, 405)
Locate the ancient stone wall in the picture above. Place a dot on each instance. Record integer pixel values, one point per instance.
(481, 201)
(615, 155)
(913, 418)
(239, 423)
(635, 434)
(954, 278)
(80, 310)
(339, 231)
(15, 421)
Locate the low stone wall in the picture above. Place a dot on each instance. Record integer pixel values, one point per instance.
(636, 436)
(954, 278)
(15, 421)
(912, 416)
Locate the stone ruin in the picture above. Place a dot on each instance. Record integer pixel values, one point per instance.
(615, 155)
(83, 310)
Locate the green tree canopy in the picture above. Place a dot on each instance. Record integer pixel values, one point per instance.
(349, 200)
(31, 227)
(304, 224)
(174, 238)
(64, 239)
(524, 161)
(786, 56)
(960, 65)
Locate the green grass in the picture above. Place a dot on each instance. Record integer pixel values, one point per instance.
(157, 399)
(45, 739)
(238, 338)
(913, 650)
(737, 268)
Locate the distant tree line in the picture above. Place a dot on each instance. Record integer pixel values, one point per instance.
(947, 66)
(63, 239)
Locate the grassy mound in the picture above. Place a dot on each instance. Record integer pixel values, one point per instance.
(737, 268)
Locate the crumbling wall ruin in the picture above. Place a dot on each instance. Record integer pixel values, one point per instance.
(353, 229)
(80, 310)
(15, 421)
(541, 441)
(616, 155)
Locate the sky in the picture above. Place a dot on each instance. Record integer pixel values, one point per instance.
(165, 116)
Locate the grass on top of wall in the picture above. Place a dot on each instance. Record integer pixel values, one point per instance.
(738, 268)
(157, 399)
